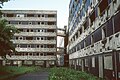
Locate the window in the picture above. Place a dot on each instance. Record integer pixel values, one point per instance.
(82, 44)
(108, 62)
(109, 27)
(51, 15)
(103, 7)
(117, 23)
(51, 23)
(93, 61)
(43, 15)
(97, 35)
(88, 41)
(30, 15)
(23, 46)
(29, 38)
(10, 15)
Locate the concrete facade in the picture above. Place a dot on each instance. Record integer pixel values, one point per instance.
(37, 41)
(94, 37)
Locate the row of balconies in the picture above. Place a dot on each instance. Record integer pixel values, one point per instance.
(29, 19)
(36, 34)
(107, 45)
(97, 23)
(30, 11)
(35, 49)
(34, 41)
(30, 57)
(36, 26)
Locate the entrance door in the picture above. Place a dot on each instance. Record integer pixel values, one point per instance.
(100, 59)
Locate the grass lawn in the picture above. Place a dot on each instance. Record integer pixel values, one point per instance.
(69, 74)
(10, 71)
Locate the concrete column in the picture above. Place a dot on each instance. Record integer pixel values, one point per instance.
(3, 62)
(19, 63)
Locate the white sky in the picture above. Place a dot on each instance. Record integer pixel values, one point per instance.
(62, 7)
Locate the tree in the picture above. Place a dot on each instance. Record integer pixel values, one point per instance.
(2, 1)
(6, 34)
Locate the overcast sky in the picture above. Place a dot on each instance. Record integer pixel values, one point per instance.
(60, 5)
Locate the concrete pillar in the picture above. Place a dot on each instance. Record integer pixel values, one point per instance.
(19, 63)
(3, 62)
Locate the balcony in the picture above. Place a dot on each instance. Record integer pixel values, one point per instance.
(34, 41)
(36, 26)
(30, 57)
(35, 34)
(35, 49)
(29, 19)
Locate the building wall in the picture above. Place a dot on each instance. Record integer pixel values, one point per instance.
(37, 39)
(94, 37)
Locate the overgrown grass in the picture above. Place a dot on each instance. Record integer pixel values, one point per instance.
(14, 70)
(69, 74)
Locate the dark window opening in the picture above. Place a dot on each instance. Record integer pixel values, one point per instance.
(30, 15)
(50, 30)
(92, 17)
(29, 38)
(51, 23)
(42, 15)
(41, 46)
(97, 35)
(27, 30)
(39, 23)
(50, 53)
(37, 46)
(117, 22)
(82, 44)
(23, 46)
(39, 15)
(88, 41)
(10, 15)
(51, 15)
(102, 6)
(42, 23)
(105, 30)
(109, 27)
(50, 38)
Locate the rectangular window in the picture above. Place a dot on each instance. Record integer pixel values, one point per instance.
(97, 35)
(117, 23)
(108, 62)
(109, 27)
(93, 61)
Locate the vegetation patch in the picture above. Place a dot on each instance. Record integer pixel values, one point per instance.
(10, 71)
(69, 74)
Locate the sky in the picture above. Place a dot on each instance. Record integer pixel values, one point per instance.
(62, 7)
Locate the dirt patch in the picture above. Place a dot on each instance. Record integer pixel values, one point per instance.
(2, 73)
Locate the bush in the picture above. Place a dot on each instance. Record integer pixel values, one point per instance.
(69, 74)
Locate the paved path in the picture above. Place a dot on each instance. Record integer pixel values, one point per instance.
(34, 76)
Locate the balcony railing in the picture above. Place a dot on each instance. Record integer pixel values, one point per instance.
(30, 57)
(35, 49)
(36, 26)
(35, 34)
(34, 41)
(29, 19)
